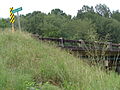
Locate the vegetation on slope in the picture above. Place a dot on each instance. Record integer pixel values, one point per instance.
(27, 63)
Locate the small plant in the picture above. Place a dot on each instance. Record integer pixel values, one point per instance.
(32, 85)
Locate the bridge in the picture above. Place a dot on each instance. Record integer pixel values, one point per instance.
(110, 51)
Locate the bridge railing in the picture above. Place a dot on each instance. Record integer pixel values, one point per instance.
(83, 45)
(107, 52)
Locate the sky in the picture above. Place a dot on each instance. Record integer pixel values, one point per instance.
(68, 6)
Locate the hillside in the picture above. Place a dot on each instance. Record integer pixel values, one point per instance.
(26, 63)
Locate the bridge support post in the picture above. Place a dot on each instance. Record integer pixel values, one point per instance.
(118, 67)
(61, 42)
(81, 44)
(109, 45)
(119, 46)
(106, 63)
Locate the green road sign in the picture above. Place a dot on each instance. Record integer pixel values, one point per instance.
(17, 10)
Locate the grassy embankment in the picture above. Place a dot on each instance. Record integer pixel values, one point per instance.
(27, 63)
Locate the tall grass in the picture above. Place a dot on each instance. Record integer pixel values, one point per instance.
(24, 59)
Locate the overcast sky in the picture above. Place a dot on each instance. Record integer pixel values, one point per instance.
(68, 6)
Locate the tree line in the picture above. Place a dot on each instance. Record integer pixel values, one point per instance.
(90, 24)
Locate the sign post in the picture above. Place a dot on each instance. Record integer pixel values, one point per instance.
(12, 19)
(18, 21)
(18, 18)
(13, 27)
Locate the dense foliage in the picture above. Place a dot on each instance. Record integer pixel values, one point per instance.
(89, 21)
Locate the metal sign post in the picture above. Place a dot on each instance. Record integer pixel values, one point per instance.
(18, 21)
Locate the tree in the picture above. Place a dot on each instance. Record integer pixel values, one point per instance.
(103, 10)
(57, 12)
(86, 12)
(78, 29)
(4, 23)
(116, 15)
(107, 26)
(52, 26)
(86, 8)
(60, 13)
(33, 22)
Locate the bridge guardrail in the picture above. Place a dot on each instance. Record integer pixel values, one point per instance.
(112, 47)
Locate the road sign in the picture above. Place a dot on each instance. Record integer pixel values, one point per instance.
(17, 10)
(12, 17)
